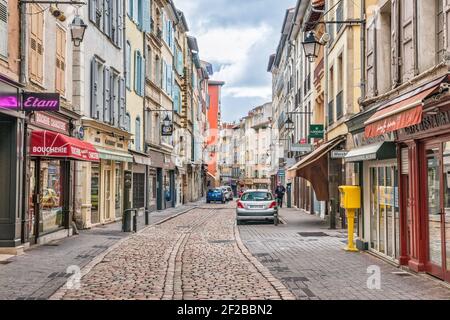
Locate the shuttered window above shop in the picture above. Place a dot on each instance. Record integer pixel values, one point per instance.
(4, 28)
(36, 53)
(60, 70)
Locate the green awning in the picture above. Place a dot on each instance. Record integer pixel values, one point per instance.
(377, 151)
(114, 155)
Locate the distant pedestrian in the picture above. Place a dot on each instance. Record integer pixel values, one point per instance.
(279, 193)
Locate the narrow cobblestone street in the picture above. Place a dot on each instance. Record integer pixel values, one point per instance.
(195, 256)
(309, 259)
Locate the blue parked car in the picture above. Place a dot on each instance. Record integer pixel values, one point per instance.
(216, 195)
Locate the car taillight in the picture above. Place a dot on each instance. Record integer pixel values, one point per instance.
(240, 205)
(273, 205)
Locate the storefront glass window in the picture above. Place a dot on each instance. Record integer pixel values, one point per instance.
(95, 190)
(374, 209)
(118, 189)
(447, 202)
(31, 205)
(51, 213)
(384, 215)
(434, 217)
(381, 209)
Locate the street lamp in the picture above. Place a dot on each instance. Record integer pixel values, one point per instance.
(311, 46)
(289, 124)
(77, 29)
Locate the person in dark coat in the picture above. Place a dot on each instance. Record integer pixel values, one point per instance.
(279, 193)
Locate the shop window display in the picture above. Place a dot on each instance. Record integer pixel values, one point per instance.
(51, 217)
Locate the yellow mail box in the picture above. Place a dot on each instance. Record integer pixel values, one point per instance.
(350, 197)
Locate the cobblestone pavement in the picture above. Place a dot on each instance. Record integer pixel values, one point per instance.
(42, 270)
(198, 255)
(314, 265)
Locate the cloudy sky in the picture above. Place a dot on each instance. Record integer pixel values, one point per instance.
(237, 37)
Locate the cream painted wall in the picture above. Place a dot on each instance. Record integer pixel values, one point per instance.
(135, 103)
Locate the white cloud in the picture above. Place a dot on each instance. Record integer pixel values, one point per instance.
(230, 48)
(264, 92)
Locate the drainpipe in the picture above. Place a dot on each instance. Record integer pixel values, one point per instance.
(362, 50)
(23, 80)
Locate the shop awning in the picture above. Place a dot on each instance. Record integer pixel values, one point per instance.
(377, 151)
(57, 145)
(314, 168)
(114, 155)
(402, 112)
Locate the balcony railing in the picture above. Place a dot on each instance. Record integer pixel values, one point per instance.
(339, 105)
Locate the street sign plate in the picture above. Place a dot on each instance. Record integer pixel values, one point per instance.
(338, 154)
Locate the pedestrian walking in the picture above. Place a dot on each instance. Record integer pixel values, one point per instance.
(279, 193)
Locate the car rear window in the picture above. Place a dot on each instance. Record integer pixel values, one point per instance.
(257, 196)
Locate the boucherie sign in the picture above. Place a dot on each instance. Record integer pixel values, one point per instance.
(36, 101)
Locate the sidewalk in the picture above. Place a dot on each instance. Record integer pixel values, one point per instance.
(309, 259)
(41, 270)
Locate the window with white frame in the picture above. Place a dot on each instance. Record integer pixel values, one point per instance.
(4, 28)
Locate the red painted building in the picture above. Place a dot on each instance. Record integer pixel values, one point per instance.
(214, 89)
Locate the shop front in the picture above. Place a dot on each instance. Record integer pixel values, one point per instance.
(142, 182)
(162, 178)
(319, 170)
(421, 119)
(11, 168)
(103, 197)
(53, 156)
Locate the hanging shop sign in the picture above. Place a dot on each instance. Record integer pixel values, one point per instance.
(338, 154)
(36, 101)
(301, 147)
(167, 130)
(50, 122)
(316, 131)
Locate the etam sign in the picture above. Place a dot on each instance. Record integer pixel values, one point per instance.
(35, 101)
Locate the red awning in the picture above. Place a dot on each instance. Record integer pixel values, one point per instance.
(401, 112)
(57, 145)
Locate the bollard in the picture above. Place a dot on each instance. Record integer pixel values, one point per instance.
(146, 217)
(350, 230)
(350, 201)
(135, 220)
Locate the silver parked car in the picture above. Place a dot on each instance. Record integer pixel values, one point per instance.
(257, 205)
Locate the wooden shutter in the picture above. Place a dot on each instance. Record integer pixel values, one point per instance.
(113, 99)
(119, 24)
(94, 89)
(122, 102)
(60, 70)
(447, 25)
(142, 76)
(371, 57)
(92, 10)
(395, 40)
(146, 27)
(136, 73)
(407, 40)
(107, 16)
(36, 54)
(4, 28)
(106, 95)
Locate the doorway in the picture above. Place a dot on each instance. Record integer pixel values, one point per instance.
(437, 195)
(107, 194)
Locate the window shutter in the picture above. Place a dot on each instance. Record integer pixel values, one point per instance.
(164, 76)
(113, 98)
(407, 39)
(92, 10)
(113, 21)
(146, 24)
(136, 73)
(138, 134)
(395, 39)
(121, 102)
(36, 44)
(128, 65)
(4, 28)
(119, 24)
(447, 25)
(148, 126)
(60, 69)
(142, 80)
(94, 89)
(106, 95)
(107, 17)
(371, 57)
